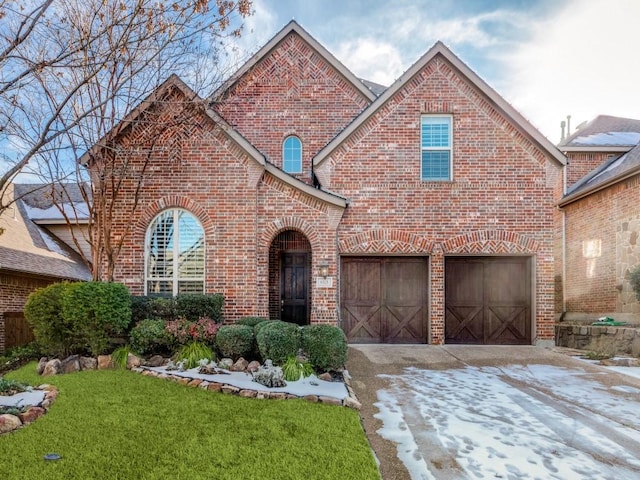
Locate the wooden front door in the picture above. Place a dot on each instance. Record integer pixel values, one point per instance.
(294, 288)
(384, 299)
(488, 300)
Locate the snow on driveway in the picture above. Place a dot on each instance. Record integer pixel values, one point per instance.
(514, 422)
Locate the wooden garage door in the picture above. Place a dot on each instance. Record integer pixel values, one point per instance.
(488, 300)
(384, 300)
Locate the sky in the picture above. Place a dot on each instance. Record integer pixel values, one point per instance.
(548, 58)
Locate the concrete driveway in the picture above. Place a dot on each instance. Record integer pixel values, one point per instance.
(465, 412)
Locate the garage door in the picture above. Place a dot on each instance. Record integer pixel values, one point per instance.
(488, 300)
(384, 300)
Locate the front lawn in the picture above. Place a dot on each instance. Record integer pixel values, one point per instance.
(115, 424)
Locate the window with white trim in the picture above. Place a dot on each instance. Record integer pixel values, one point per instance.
(292, 155)
(174, 250)
(436, 147)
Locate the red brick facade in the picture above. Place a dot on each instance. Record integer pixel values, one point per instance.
(500, 201)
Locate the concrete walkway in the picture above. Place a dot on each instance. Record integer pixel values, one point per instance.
(457, 412)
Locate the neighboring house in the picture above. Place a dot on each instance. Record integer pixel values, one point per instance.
(419, 213)
(601, 212)
(31, 257)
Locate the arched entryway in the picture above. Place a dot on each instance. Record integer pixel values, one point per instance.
(290, 278)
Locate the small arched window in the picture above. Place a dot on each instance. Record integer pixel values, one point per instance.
(292, 155)
(174, 252)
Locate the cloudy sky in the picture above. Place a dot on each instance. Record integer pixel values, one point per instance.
(549, 58)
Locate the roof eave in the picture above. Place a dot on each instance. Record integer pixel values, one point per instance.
(611, 149)
(59, 221)
(596, 188)
(440, 49)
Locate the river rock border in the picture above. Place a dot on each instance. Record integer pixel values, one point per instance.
(10, 423)
(350, 401)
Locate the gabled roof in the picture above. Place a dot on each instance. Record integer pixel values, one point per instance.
(294, 27)
(41, 209)
(609, 173)
(439, 49)
(604, 134)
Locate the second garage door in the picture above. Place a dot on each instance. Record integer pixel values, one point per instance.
(384, 299)
(488, 300)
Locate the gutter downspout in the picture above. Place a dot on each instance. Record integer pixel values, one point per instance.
(564, 245)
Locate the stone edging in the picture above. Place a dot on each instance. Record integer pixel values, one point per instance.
(9, 422)
(350, 401)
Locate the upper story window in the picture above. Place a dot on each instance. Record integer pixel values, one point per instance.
(436, 145)
(174, 250)
(292, 155)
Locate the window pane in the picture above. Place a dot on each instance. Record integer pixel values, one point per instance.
(160, 251)
(159, 288)
(435, 131)
(190, 287)
(435, 165)
(292, 155)
(191, 252)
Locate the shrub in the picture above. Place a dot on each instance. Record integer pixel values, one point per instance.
(278, 340)
(251, 321)
(325, 346)
(260, 325)
(120, 357)
(183, 331)
(235, 341)
(97, 311)
(43, 311)
(192, 353)
(634, 278)
(294, 369)
(195, 306)
(150, 336)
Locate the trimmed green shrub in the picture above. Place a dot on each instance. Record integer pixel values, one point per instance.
(195, 306)
(97, 311)
(260, 325)
(278, 340)
(43, 311)
(192, 353)
(150, 336)
(251, 321)
(235, 341)
(325, 346)
(145, 307)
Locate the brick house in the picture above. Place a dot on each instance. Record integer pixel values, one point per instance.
(419, 213)
(601, 220)
(34, 252)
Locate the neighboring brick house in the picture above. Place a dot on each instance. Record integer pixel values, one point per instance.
(420, 213)
(601, 211)
(31, 257)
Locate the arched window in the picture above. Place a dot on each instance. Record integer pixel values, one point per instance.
(292, 155)
(174, 252)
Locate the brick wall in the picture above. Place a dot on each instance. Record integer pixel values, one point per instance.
(579, 164)
(602, 246)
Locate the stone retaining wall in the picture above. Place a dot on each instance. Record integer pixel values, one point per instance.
(626, 339)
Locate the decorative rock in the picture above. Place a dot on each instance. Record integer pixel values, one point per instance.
(156, 361)
(32, 414)
(41, 364)
(51, 394)
(225, 363)
(277, 395)
(311, 398)
(203, 385)
(326, 376)
(47, 387)
(105, 362)
(88, 363)
(329, 400)
(253, 366)
(133, 361)
(351, 402)
(248, 393)
(195, 382)
(240, 365)
(262, 395)
(183, 381)
(46, 403)
(269, 375)
(8, 423)
(52, 367)
(70, 364)
(214, 387)
(230, 389)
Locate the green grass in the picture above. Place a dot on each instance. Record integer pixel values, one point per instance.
(115, 424)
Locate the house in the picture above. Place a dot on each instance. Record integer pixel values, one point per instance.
(34, 252)
(601, 220)
(418, 213)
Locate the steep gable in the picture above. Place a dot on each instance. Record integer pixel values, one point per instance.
(292, 86)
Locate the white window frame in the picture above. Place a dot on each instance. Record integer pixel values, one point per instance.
(175, 278)
(438, 148)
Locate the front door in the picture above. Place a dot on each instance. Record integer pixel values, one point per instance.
(294, 288)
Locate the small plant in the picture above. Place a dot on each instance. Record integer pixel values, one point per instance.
(325, 345)
(184, 331)
(191, 354)
(294, 369)
(602, 347)
(11, 387)
(278, 340)
(120, 356)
